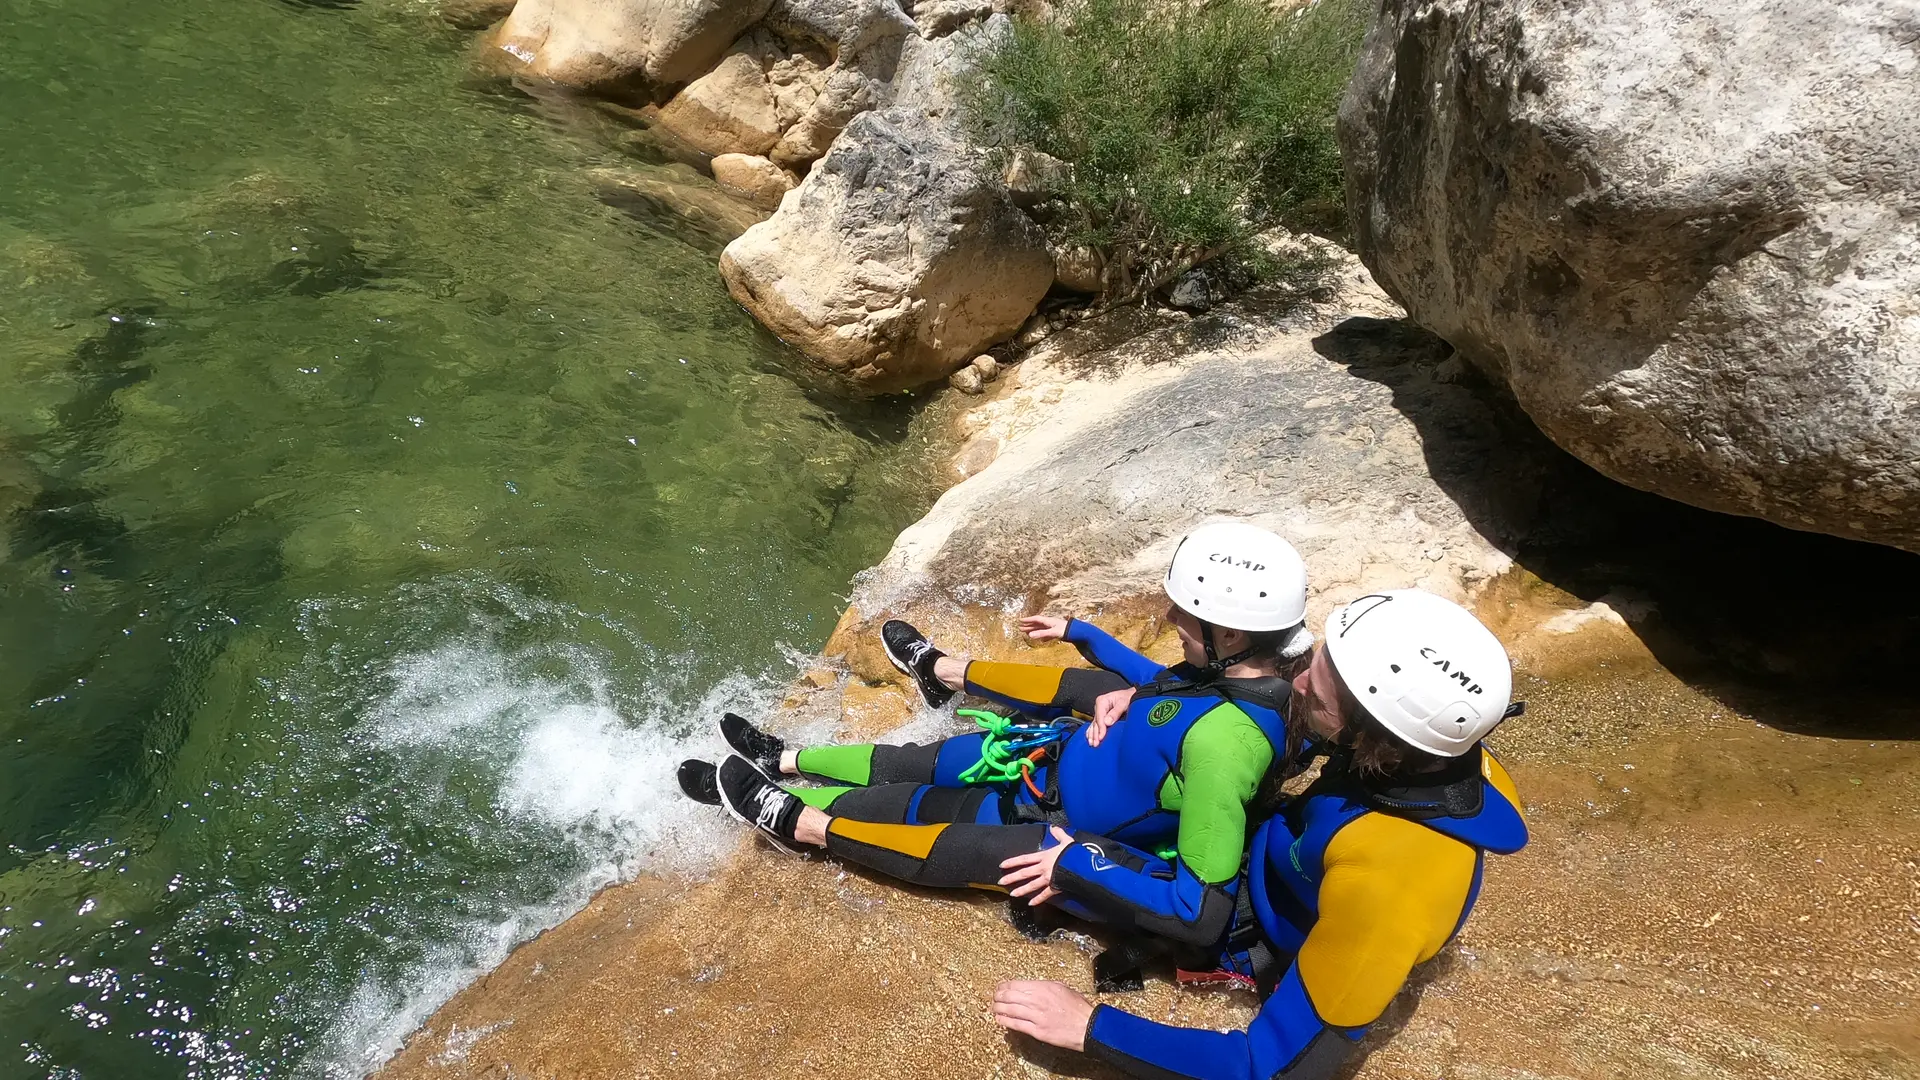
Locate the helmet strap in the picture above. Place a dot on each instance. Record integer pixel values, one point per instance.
(1216, 665)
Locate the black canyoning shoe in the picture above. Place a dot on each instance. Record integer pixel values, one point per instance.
(913, 654)
(750, 742)
(700, 781)
(748, 795)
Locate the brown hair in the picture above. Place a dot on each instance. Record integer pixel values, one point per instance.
(1376, 752)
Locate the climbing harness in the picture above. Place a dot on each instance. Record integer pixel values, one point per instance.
(1011, 749)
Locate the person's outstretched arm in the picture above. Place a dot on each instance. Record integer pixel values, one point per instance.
(1286, 1041)
(1104, 650)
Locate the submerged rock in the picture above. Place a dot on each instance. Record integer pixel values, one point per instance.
(679, 199)
(474, 14)
(1684, 233)
(895, 261)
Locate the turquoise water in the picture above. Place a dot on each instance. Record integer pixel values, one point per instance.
(381, 515)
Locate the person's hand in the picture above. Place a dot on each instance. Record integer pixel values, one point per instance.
(1108, 709)
(1052, 1012)
(1044, 627)
(1033, 873)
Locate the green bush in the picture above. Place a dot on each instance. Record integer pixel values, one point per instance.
(1189, 125)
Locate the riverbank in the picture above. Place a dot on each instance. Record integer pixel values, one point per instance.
(1712, 891)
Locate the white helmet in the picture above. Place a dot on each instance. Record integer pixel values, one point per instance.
(1422, 666)
(1239, 576)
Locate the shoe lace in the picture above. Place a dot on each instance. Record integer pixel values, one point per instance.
(917, 650)
(772, 801)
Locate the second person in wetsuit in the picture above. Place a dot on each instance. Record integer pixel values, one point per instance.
(1173, 779)
(1358, 880)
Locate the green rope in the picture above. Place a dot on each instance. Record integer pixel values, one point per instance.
(998, 763)
(1002, 762)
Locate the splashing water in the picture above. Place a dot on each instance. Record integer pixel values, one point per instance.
(381, 516)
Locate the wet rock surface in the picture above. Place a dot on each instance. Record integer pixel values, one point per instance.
(755, 179)
(1682, 233)
(1704, 897)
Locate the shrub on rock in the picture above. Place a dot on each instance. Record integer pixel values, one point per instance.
(1188, 128)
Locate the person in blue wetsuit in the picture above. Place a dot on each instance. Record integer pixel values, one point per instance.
(1366, 874)
(1174, 778)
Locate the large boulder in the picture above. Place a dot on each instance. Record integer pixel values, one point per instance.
(896, 261)
(1686, 234)
(622, 46)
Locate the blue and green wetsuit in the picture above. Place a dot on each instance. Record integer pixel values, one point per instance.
(1176, 774)
(1348, 888)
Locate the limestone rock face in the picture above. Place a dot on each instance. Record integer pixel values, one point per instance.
(844, 27)
(729, 110)
(1083, 474)
(931, 70)
(936, 18)
(610, 45)
(847, 89)
(895, 261)
(1686, 234)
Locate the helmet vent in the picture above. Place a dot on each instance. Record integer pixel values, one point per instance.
(1263, 595)
(1373, 689)
(1395, 667)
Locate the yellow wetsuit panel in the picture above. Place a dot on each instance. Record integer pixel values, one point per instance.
(1390, 898)
(913, 840)
(1021, 682)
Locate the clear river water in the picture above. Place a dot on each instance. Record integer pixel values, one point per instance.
(381, 515)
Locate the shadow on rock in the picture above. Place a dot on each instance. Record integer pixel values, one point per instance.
(1803, 631)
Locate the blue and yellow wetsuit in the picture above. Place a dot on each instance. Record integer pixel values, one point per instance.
(1176, 774)
(1348, 889)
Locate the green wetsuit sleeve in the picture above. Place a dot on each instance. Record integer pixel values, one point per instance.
(1223, 759)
